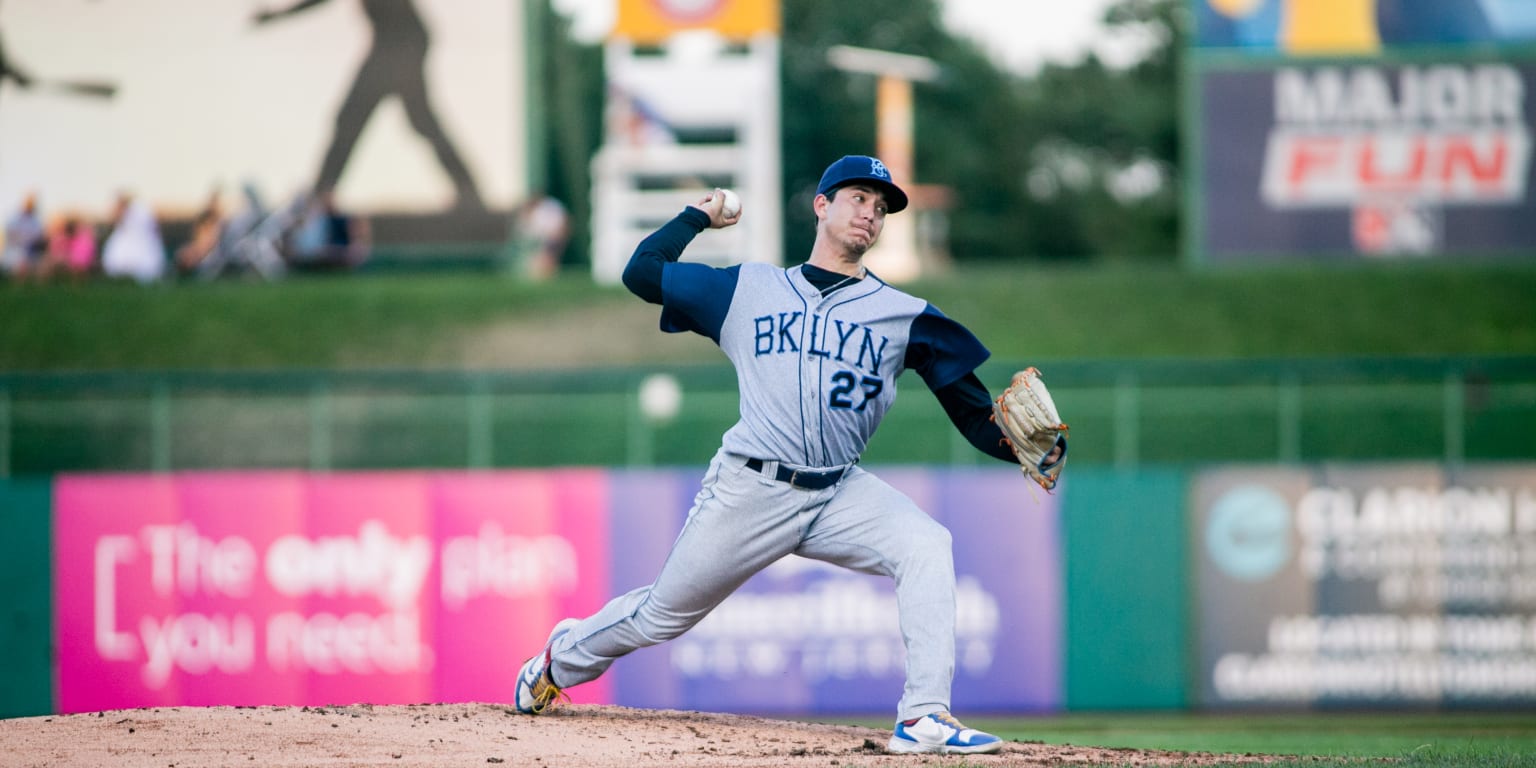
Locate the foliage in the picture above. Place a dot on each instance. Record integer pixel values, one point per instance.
(570, 76)
(1037, 165)
(1104, 146)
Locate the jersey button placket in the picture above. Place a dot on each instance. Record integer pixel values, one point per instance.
(814, 407)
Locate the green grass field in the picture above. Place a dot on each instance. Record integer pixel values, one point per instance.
(467, 319)
(1413, 740)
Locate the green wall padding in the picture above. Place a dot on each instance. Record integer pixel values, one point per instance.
(1127, 581)
(26, 609)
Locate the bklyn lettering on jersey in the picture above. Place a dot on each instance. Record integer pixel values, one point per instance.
(844, 342)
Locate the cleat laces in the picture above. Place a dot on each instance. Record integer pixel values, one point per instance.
(949, 719)
(546, 694)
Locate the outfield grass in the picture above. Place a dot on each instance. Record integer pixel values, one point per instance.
(1415, 740)
(1333, 734)
(1028, 312)
(313, 322)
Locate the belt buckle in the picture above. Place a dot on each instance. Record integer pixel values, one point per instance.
(794, 474)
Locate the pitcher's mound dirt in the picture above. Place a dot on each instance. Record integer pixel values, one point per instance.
(433, 735)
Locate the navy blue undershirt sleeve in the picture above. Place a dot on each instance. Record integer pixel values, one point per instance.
(945, 354)
(642, 276)
(693, 297)
(969, 406)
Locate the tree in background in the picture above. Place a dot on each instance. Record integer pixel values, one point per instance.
(571, 76)
(1077, 162)
(1103, 178)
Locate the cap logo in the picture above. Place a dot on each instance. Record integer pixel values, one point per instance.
(878, 168)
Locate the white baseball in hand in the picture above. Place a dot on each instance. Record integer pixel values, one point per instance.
(732, 206)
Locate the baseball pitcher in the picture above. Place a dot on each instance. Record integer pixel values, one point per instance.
(817, 350)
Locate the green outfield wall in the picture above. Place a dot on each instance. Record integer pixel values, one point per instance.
(26, 613)
(1127, 589)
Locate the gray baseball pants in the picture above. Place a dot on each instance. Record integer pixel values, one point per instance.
(741, 522)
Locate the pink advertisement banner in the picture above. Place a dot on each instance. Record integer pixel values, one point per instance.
(299, 589)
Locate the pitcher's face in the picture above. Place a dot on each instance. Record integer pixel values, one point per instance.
(852, 217)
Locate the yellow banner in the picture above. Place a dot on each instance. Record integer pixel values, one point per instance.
(653, 21)
(1330, 26)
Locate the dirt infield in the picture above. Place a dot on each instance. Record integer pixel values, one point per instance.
(435, 735)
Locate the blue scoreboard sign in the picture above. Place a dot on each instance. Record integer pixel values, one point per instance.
(1341, 129)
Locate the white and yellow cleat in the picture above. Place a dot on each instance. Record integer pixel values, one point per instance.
(536, 689)
(941, 733)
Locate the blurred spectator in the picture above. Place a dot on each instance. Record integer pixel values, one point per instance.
(71, 248)
(328, 238)
(251, 239)
(134, 248)
(632, 117)
(25, 242)
(207, 229)
(543, 227)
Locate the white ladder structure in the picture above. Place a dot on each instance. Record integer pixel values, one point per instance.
(693, 114)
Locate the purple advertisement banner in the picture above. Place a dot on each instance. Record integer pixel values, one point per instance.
(805, 636)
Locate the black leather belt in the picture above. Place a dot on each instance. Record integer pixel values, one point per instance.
(802, 478)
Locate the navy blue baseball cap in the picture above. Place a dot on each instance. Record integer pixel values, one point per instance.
(862, 168)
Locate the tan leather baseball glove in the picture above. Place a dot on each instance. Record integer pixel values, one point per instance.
(1032, 428)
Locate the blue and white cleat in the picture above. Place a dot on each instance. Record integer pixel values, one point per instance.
(536, 690)
(940, 733)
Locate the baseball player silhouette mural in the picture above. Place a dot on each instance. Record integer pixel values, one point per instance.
(92, 89)
(9, 70)
(395, 65)
(817, 349)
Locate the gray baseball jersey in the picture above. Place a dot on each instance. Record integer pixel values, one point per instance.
(816, 373)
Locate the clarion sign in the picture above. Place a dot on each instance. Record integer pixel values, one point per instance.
(1443, 134)
(1404, 584)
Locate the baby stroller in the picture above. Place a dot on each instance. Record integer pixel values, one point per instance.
(252, 241)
